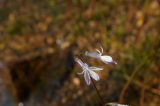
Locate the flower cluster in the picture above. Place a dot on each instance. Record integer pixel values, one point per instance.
(90, 71)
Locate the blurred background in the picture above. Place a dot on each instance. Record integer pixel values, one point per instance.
(40, 38)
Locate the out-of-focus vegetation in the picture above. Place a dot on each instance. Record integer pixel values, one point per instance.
(39, 39)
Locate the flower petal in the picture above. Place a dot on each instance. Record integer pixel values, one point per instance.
(94, 75)
(87, 77)
(80, 73)
(92, 54)
(106, 59)
(80, 62)
(95, 68)
(115, 104)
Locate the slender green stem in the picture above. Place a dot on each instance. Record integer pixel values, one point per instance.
(101, 99)
(133, 75)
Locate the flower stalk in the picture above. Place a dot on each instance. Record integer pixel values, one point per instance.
(100, 97)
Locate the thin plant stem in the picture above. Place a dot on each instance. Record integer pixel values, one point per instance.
(135, 72)
(101, 99)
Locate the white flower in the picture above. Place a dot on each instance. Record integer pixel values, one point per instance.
(115, 104)
(106, 59)
(88, 71)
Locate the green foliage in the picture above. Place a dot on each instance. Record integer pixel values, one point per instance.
(14, 28)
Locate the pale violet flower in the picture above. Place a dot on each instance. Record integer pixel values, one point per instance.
(88, 71)
(105, 58)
